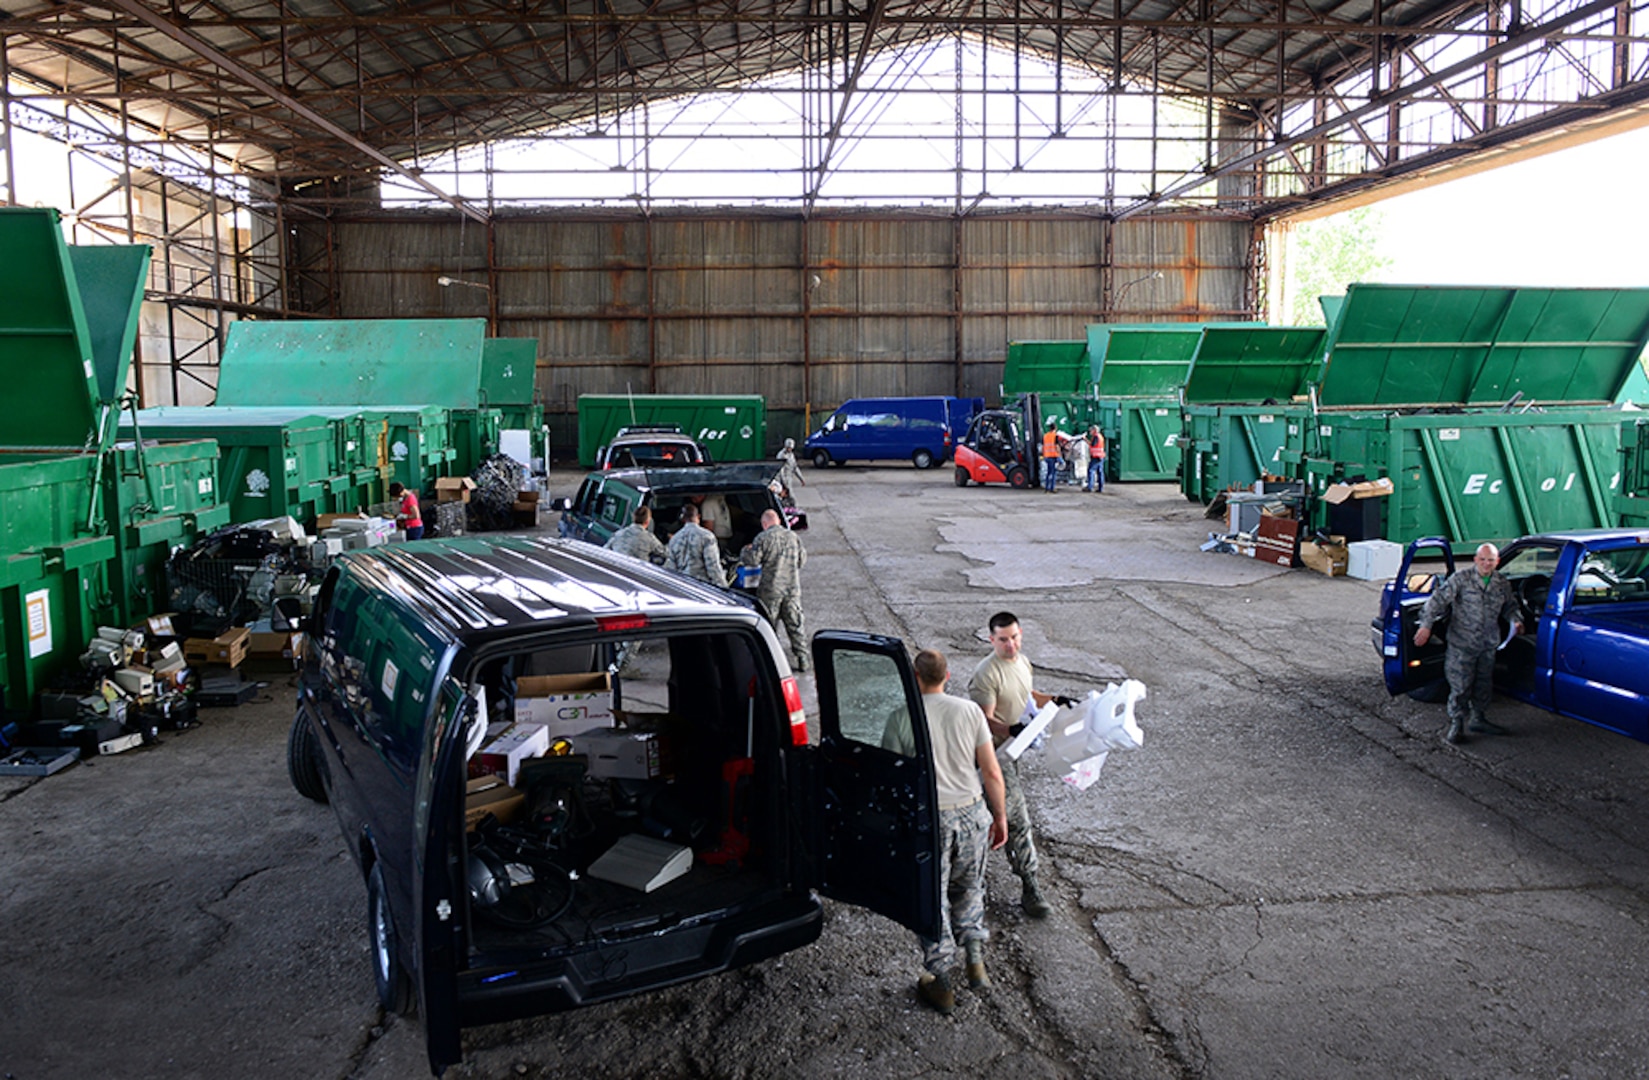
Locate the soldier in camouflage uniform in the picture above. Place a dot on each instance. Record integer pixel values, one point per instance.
(780, 554)
(637, 540)
(1474, 599)
(972, 821)
(694, 551)
(1001, 686)
(789, 474)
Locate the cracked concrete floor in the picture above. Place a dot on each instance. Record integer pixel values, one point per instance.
(1293, 878)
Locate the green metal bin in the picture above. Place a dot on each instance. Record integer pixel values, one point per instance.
(271, 461)
(1138, 371)
(1241, 405)
(730, 427)
(55, 548)
(1488, 409)
(509, 369)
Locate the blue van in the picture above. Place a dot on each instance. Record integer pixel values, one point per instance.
(920, 429)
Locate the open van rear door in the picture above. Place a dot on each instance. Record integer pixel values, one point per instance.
(1409, 667)
(875, 821)
(437, 942)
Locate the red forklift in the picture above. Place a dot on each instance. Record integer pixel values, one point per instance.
(1002, 446)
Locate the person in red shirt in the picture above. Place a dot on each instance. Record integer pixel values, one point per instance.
(407, 515)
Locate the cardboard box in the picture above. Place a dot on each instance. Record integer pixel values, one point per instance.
(160, 626)
(490, 795)
(504, 755)
(1373, 560)
(266, 645)
(1325, 558)
(622, 754)
(565, 704)
(453, 489)
(228, 648)
(327, 521)
(524, 514)
(1368, 489)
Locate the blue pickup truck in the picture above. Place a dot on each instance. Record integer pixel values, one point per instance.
(1584, 652)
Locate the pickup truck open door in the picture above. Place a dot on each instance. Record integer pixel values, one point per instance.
(1410, 668)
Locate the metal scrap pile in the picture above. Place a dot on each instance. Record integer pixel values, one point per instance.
(498, 479)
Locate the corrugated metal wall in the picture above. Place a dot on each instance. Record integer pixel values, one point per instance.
(807, 313)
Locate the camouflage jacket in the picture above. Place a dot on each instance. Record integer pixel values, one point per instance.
(780, 554)
(693, 551)
(1472, 609)
(638, 542)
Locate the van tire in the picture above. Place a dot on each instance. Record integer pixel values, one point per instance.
(1018, 477)
(820, 459)
(303, 761)
(388, 976)
(962, 477)
(922, 459)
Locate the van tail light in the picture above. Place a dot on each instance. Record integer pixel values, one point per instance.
(606, 623)
(793, 705)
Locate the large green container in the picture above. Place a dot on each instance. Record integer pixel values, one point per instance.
(474, 434)
(509, 369)
(1138, 371)
(55, 549)
(1632, 503)
(730, 427)
(1478, 477)
(271, 461)
(329, 362)
(158, 498)
(1241, 407)
(419, 446)
(1487, 408)
(1047, 368)
(362, 455)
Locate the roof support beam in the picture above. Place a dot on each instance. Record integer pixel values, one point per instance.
(252, 79)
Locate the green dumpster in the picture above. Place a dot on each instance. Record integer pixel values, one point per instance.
(509, 368)
(55, 549)
(1046, 367)
(1138, 371)
(1632, 503)
(1488, 409)
(271, 461)
(1242, 405)
(730, 427)
(330, 362)
(474, 434)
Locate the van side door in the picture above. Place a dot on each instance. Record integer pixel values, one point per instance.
(1598, 617)
(437, 935)
(875, 812)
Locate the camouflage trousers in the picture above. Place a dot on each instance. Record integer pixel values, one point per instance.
(785, 610)
(1021, 848)
(1471, 683)
(964, 841)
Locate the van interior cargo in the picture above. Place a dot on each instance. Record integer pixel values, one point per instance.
(662, 814)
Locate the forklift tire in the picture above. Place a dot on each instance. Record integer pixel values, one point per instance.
(820, 459)
(1018, 477)
(303, 762)
(962, 477)
(922, 459)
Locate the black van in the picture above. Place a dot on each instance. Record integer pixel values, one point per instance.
(417, 647)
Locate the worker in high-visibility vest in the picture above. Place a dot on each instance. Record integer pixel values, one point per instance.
(1050, 456)
(1096, 460)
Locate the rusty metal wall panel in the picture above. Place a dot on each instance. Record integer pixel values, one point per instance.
(714, 341)
(890, 290)
(561, 244)
(876, 242)
(1017, 290)
(727, 292)
(724, 242)
(999, 242)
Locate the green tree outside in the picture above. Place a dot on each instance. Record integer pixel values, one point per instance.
(1330, 253)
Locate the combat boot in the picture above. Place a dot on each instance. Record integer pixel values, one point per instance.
(978, 981)
(1456, 732)
(1482, 725)
(1031, 900)
(935, 991)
